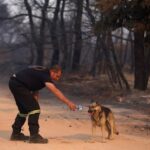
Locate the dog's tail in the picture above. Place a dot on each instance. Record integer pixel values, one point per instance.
(116, 132)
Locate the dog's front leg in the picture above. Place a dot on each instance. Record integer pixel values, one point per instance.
(93, 130)
(103, 132)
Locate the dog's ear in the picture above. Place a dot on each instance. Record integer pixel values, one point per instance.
(97, 103)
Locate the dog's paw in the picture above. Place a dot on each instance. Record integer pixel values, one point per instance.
(103, 141)
(110, 138)
(90, 141)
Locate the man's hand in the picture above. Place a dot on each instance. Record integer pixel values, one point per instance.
(71, 105)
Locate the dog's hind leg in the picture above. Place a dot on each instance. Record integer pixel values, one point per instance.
(108, 128)
(111, 123)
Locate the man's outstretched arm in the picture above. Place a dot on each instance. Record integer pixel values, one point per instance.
(60, 95)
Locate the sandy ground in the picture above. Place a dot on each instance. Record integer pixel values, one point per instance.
(72, 130)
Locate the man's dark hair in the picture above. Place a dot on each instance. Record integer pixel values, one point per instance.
(56, 68)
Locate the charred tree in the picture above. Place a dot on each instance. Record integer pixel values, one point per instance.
(64, 44)
(53, 33)
(38, 39)
(120, 75)
(139, 56)
(77, 35)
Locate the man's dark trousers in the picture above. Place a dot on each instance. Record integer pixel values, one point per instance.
(27, 105)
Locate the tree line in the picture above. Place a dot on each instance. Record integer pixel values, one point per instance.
(96, 36)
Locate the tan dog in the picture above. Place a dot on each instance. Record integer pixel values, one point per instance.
(102, 117)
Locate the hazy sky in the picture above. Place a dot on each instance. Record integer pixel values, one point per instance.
(12, 6)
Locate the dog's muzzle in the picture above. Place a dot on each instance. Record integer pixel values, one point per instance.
(91, 112)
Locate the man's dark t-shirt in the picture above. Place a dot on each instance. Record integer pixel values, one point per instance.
(34, 78)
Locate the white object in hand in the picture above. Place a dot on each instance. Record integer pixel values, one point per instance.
(79, 107)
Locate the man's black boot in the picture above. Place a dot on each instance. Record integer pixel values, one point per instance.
(16, 134)
(37, 138)
(18, 137)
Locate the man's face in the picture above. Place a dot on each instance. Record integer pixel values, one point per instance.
(55, 75)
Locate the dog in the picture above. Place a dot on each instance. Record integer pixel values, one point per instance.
(102, 117)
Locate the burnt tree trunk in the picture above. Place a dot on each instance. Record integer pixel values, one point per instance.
(78, 35)
(139, 59)
(120, 75)
(109, 64)
(96, 55)
(41, 42)
(97, 46)
(64, 45)
(53, 32)
(147, 49)
(38, 39)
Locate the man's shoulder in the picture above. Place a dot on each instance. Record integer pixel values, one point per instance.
(36, 67)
